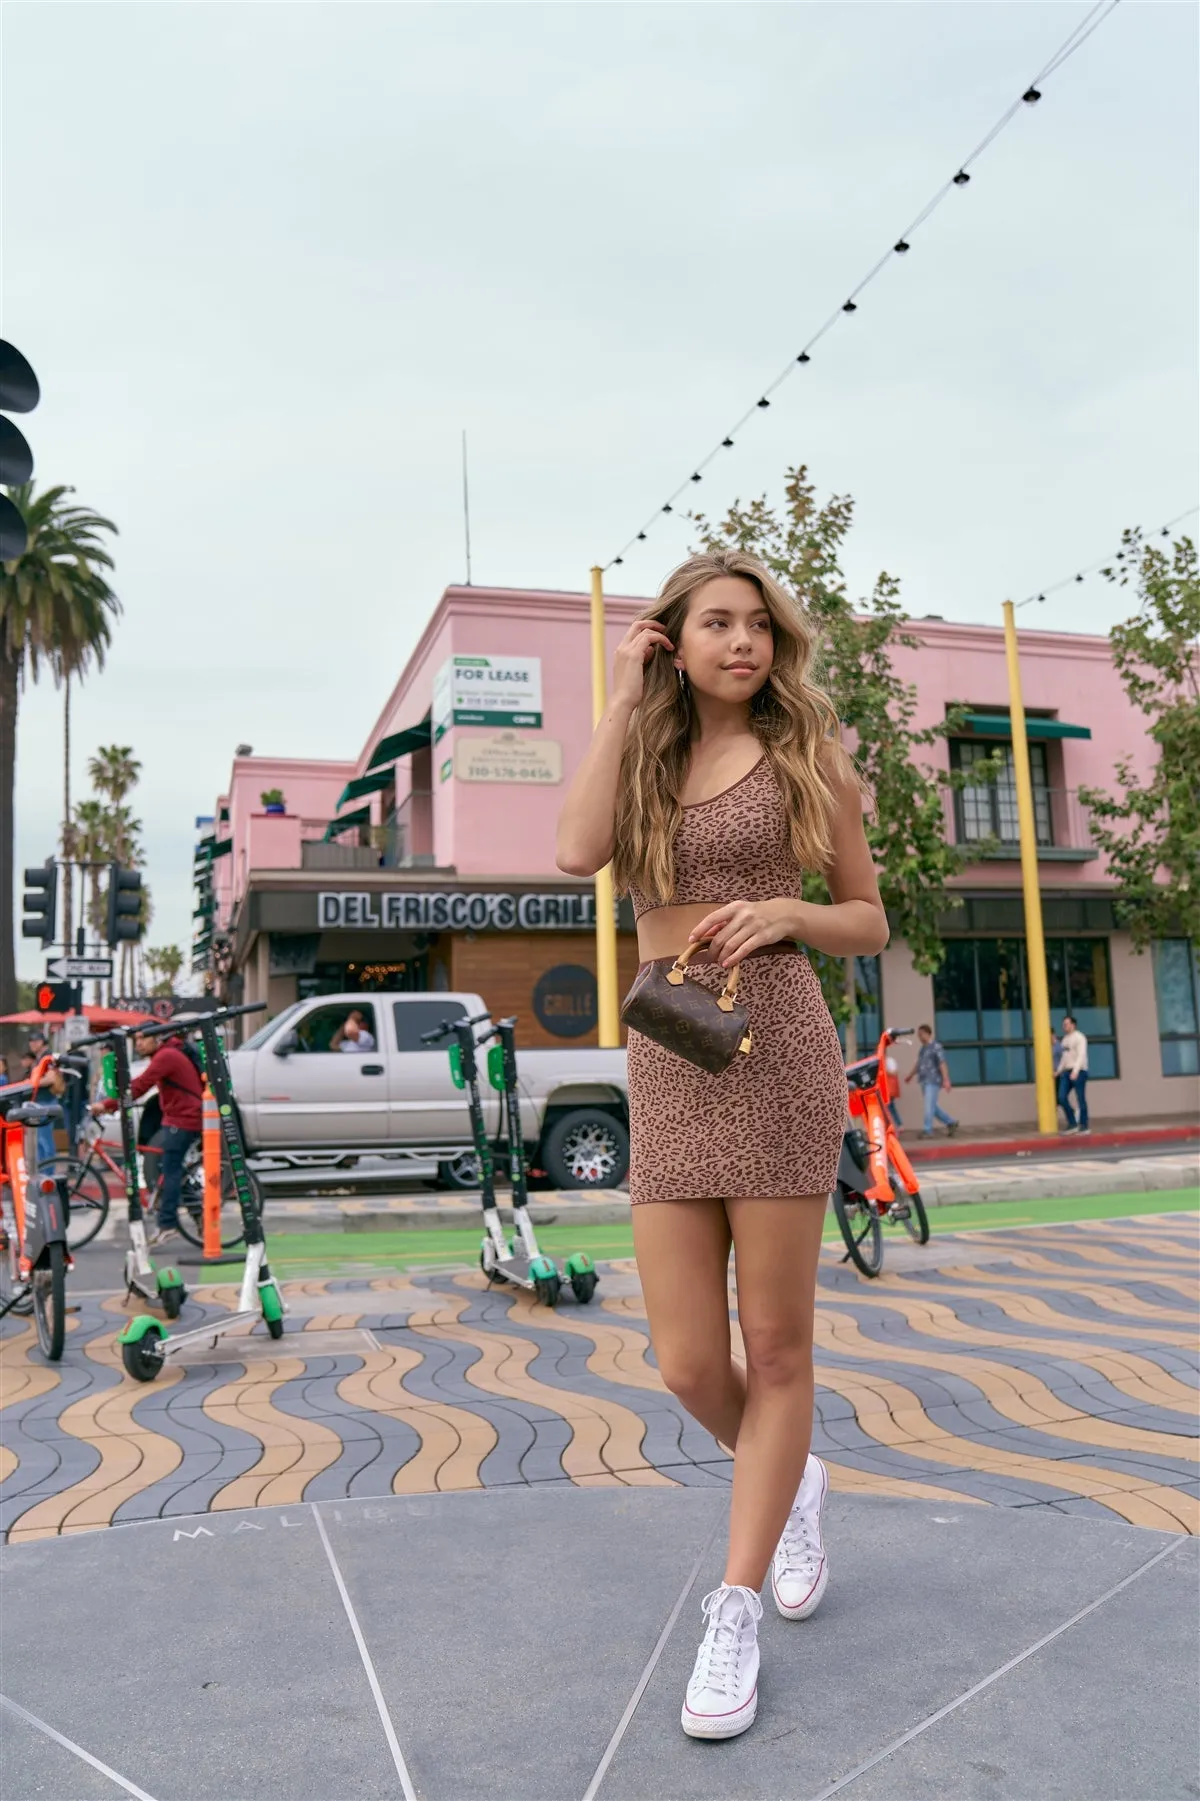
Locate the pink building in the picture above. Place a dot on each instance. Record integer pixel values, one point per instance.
(428, 861)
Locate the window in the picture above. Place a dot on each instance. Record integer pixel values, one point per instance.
(981, 1006)
(1177, 991)
(414, 1017)
(868, 1006)
(990, 810)
(324, 1030)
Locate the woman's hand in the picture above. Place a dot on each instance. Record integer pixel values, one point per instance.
(742, 926)
(639, 644)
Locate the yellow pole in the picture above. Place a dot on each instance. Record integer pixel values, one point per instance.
(606, 924)
(1035, 943)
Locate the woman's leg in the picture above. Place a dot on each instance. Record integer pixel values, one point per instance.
(776, 1246)
(682, 1250)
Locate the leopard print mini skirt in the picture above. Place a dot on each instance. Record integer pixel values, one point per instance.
(771, 1124)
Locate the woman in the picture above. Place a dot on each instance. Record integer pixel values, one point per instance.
(713, 780)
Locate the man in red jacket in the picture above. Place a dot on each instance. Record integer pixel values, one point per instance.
(180, 1093)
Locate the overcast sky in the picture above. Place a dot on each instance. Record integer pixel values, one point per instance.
(269, 260)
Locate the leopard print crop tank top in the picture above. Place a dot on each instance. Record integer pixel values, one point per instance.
(734, 846)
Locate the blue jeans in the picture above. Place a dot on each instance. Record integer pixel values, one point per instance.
(1077, 1085)
(931, 1090)
(175, 1143)
(46, 1150)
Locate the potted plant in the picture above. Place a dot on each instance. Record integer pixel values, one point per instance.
(273, 801)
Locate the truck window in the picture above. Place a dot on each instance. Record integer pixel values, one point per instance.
(337, 1029)
(414, 1017)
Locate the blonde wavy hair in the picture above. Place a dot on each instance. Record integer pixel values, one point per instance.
(791, 715)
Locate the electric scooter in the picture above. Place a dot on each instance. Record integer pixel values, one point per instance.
(145, 1343)
(33, 1220)
(159, 1288)
(519, 1261)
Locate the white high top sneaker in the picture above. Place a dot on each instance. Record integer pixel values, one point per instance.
(800, 1568)
(722, 1696)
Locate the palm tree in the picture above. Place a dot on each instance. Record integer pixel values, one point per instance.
(114, 771)
(56, 611)
(164, 965)
(91, 834)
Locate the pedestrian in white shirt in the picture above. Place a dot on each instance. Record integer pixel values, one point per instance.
(1073, 1064)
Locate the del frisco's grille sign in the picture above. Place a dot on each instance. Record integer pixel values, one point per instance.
(457, 911)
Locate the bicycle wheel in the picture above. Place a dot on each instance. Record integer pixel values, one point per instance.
(916, 1221)
(88, 1199)
(191, 1206)
(12, 1287)
(859, 1220)
(50, 1302)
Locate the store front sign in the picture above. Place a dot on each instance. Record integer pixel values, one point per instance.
(508, 757)
(487, 691)
(456, 911)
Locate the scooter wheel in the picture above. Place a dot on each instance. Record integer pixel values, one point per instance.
(143, 1360)
(546, 1288)
(172, 1298)
(493, 1275)
(584, 1285)
(272, 1309)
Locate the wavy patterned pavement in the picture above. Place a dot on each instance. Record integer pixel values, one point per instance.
(1053, 1368)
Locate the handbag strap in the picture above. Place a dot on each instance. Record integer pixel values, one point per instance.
(675, 975)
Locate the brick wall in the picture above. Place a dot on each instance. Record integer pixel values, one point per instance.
(504, 968)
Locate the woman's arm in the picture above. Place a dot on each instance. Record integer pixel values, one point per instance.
(587, 821)
(853, 925)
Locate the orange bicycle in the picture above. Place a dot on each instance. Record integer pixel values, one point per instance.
(875, 1180)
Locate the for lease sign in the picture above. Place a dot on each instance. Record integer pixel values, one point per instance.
(487, 691)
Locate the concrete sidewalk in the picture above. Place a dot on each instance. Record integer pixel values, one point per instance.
(1018, 1180)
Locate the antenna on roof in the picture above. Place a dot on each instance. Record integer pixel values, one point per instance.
(466, 507)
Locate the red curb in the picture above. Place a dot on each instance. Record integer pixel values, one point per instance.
(984, 1148)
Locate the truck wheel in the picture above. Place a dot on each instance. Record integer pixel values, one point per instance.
(586, 1148)
(459, 1172)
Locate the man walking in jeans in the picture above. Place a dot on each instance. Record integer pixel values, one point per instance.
(934, 1078)
(1073, 1066)
(180, 1093)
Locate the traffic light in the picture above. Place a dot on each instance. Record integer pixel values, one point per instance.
(124, 906)
(40, 902)
(18, 394)
(55, 997)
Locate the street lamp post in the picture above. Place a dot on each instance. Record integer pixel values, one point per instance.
(1035, 943)
(606, 924)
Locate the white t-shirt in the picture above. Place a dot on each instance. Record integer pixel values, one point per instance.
(1073, 1053)
(364, 1041)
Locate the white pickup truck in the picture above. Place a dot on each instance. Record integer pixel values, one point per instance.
(309, 1101)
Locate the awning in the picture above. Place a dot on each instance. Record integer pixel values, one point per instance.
(217, 847)
(417, 737)
(999, 725)
(365, 784)
(361, 816)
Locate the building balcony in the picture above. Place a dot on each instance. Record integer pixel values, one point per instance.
(404, 842)
(986, 817)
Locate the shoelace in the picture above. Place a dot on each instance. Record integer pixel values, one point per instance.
(717, 1659)
(799, 1544)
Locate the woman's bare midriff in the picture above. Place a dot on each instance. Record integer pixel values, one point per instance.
(664, 931)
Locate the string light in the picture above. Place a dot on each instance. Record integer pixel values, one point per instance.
(1069, 581)
(900, 246)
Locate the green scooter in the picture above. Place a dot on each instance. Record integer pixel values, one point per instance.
(520, 1260)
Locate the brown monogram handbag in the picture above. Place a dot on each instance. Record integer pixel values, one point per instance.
(707, 1029)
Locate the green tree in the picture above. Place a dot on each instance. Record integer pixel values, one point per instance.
(114, 771)
(56, 613)
(907, 826)
(1150, 830)
(164, 965)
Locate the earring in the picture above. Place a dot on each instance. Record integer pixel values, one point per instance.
(682, 680)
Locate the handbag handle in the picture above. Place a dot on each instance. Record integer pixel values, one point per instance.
(675, 975)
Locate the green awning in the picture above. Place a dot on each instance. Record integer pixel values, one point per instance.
(210, 851)
(361, 816)
(999, 725)
(417, 737)
(365, 784)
